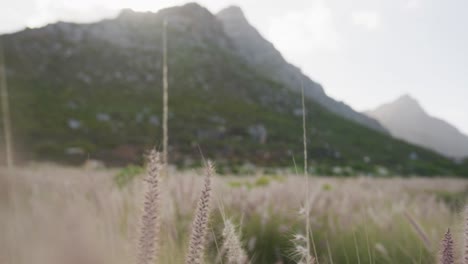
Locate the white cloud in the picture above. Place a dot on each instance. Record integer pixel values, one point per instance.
(368, 19)
(301, 32)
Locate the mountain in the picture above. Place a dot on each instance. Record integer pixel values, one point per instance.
(406, 119)
(263, 56)
(80, 91)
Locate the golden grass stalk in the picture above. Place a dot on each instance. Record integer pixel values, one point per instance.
(235, 254)
(147, 246)
(200, 221)
(447, 256)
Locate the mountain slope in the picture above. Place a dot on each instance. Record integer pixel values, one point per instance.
(263, 56)
(83, 91)
(406, 119)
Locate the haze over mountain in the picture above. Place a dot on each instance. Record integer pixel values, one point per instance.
(406, 119)
(82, 91)
(261, 54)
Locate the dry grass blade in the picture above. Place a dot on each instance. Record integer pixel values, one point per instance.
(418, 230)
(200, 221)
(150, 220)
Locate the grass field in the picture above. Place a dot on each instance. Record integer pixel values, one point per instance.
(52, 214)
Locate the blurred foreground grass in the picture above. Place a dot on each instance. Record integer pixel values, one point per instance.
(51, 214)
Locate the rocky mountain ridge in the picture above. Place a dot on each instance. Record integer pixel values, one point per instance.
(406, 119)
(80, 91)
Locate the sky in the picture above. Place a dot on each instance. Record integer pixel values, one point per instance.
(364, 52)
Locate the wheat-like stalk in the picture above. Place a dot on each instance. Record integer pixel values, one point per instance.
(150, 220)
(200, 221)
(447, 256)
(235, 254)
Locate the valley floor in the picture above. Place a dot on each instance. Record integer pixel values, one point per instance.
(51, 214)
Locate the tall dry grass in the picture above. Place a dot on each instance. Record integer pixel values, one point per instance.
(306, 255)
(51, 214)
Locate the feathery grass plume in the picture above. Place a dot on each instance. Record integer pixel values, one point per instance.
(301, 252)
(234, 252)
(466, 236)
(447, 256)
(200, 221)
(150, 220)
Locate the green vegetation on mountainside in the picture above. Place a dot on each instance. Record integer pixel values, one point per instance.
(100, 99)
